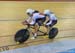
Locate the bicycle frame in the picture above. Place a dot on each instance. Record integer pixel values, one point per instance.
(38, 30)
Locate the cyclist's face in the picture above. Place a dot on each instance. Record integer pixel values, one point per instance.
(29, 14)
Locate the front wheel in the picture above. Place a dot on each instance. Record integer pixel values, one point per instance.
(22, 35)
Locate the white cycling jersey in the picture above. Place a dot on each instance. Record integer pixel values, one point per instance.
(37, 16)
(52, 17)
(34, 17)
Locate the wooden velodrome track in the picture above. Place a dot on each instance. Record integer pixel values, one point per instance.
(13, 13)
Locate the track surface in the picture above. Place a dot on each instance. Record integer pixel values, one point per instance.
(13, 13)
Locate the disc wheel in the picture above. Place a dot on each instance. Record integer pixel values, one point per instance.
(52, 33)
(22, 35)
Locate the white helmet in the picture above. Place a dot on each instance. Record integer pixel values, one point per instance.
(47, 12)
(29, 11)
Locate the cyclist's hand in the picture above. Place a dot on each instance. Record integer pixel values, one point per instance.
(25, 22)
